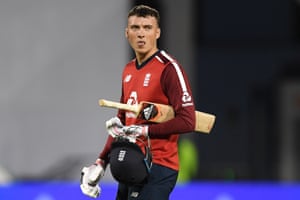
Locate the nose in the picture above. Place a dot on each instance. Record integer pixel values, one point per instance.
(140, 33)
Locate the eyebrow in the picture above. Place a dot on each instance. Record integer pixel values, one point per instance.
(144, 26)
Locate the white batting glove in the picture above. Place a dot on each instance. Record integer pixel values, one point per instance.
(136, 131)
(91, 191)
(114, 127)
(90, 177)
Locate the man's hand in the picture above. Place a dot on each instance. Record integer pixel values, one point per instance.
(136, 131)
(114, 127)
(90, 177)
(91, 191)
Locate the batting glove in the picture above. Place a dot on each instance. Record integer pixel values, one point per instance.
(114, 127)
(136, 131)
(90, 177)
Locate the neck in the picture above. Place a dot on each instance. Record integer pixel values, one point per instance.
(142, 57)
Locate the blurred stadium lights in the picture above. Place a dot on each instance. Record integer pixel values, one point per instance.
(5, 176)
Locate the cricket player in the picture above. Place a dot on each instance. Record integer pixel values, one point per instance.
(155, 76)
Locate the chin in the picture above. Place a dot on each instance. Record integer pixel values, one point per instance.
(141, 51)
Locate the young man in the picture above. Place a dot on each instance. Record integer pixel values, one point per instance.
(153, 75)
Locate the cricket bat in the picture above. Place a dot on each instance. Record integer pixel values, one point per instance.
(156, 112)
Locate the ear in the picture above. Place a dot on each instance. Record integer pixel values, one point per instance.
(126, 32)
(158, 33)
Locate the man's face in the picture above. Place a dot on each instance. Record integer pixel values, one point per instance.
(142, 34)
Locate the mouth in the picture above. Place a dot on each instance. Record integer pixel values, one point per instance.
(141, 43)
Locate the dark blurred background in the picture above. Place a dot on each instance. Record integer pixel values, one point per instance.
(246, 60)
(58, 58)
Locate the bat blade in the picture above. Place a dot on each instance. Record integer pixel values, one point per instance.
(204, 122)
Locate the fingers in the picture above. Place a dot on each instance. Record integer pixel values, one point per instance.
(115, 121)
(86, 188)
(96, 173)
(115, 131)
(135, 130)
(114, 127)
(91, 191)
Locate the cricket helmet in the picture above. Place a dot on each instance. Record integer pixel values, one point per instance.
(128, 164)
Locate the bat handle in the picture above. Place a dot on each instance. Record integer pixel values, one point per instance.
(117, 105)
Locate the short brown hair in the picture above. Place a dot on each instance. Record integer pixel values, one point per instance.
(144, 11)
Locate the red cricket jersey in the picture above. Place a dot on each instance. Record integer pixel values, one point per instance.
(160, 79)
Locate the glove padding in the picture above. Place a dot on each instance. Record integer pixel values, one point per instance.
(90, 177)
(136, 131)
(114, 127)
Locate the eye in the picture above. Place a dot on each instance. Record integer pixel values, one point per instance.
(148, 27)
(134, 27)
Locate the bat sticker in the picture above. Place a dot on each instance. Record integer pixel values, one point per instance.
(149, 111)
